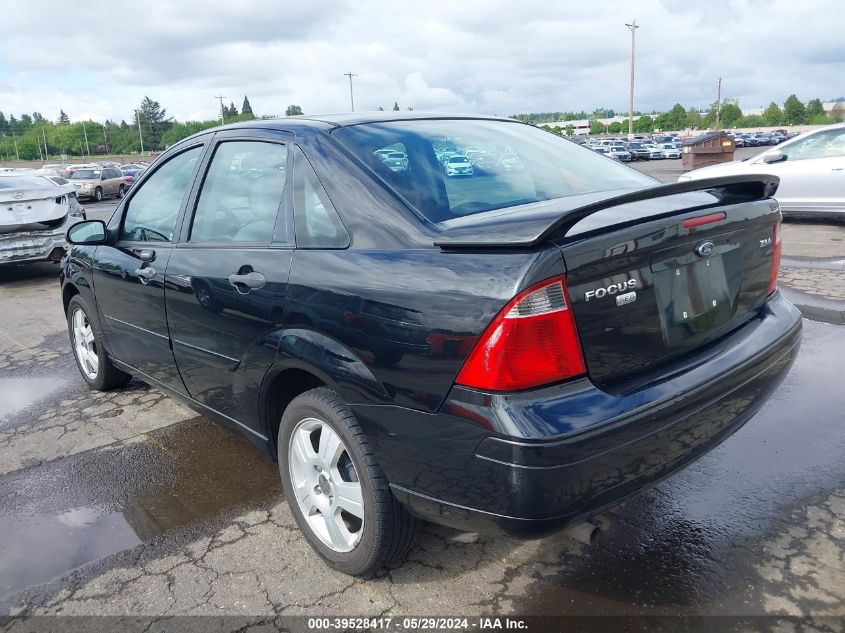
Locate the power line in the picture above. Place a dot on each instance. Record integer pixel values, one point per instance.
(350, 74)
(633, 28)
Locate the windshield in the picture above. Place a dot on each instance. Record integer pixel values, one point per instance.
(85, 174)
(523, 164)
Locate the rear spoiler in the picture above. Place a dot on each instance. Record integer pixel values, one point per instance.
(524, 231)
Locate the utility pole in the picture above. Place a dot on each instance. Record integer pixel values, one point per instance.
(633, 28)
(86, 139)
(718, 102)
(15, 141)
(5, 148)
(46, 153)
(350, 74)
(140, 136)
(222, 120)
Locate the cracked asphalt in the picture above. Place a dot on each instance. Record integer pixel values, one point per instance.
(128, 503)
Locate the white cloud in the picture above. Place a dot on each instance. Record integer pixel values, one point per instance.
(477, 56)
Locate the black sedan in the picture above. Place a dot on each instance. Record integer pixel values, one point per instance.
(515, 350)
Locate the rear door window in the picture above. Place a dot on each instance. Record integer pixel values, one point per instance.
(242, 193)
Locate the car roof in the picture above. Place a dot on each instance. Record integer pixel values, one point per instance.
(311, 122)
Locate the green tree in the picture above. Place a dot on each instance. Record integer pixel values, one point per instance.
(596, 127)
(569, 130)
(773, 115)
(663, 122)
(694, 118)
(794, 112)
(293, 110)
(815, 108)
(677, 117)
(231, 111)
(63, 118)
(396, 106)
(644, 124)
(246, 108)
(154, 123)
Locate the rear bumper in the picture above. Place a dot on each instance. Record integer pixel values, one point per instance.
(32, 246)
(527, 463)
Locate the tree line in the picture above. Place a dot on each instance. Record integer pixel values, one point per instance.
(33, 137)
(792, 112)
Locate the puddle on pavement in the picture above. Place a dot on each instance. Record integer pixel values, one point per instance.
(17, 394)
(59, 516)
(694, 543)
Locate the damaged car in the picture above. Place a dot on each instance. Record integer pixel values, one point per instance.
(35, 212)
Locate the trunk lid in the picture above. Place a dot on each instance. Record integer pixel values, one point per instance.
(647, 281)
(654, 290)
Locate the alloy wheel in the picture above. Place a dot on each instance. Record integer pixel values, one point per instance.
(84, 344)
(326, 485)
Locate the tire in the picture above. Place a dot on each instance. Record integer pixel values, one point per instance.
(98, 194)
(386, 530)
(105, 376)
(121, 191)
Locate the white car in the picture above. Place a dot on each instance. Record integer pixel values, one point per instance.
(458, 166)
(654, 152)
(670, 150)
(811, 168)
(619, 153)
(35, 212)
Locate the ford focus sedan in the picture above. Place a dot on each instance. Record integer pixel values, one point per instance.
(513, 351)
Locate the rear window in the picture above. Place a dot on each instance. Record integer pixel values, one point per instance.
(23, 182)
(517, 164)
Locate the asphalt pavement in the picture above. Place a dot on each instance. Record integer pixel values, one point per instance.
(130, 503)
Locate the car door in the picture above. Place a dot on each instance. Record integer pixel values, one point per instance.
(227, 279)
(812, 174)
(129, 274)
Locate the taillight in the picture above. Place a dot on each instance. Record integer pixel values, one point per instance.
(776, 248)
(531, 342)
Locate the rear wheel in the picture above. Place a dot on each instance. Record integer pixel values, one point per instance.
(336, 490)
(90, 354)
(121, 191)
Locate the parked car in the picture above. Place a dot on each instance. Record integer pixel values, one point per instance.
(98, 182)
(738, 139)
(811, 169)
(670, 150)
(501, 356)
(397, 161)
(35, 212)
(458, 166)
(639, 151)
(654, 152)
(130, 175)
(619, 153)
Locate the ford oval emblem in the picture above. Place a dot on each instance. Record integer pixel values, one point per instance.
(705, 249)
(17, 195)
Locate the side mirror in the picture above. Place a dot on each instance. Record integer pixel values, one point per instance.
(774, 157)
(88, 232)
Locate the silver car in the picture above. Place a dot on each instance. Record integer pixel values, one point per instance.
(35, 212)
(811, 168)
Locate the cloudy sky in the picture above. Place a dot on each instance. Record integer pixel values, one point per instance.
(485, 56)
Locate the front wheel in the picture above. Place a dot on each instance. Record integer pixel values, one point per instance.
(98, 194)
(336, 490)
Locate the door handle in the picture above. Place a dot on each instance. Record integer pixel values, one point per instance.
(145, 274)
(251, 280)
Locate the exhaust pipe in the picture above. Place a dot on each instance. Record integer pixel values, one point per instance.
(585, 532)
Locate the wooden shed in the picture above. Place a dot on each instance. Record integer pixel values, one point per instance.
(708, 149)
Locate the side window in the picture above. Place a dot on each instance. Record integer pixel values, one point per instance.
(317, 222)
(151, 213)
(827, 144)
(241, 194)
